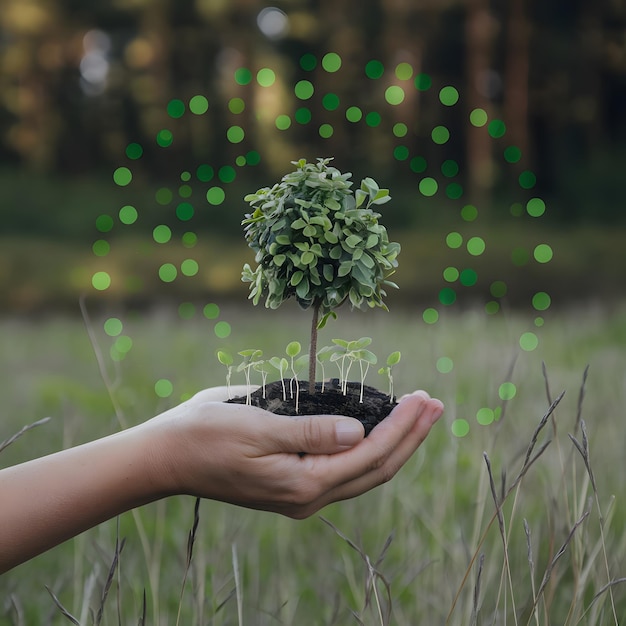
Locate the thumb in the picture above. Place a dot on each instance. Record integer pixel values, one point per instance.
(322, 434)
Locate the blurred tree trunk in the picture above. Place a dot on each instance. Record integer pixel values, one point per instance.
(479, 35)
(516, 79)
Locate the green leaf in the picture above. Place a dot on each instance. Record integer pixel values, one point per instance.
(296, 278)
(293, 349)
(279, 259)
(329, 272)
(309, 231)
(393, 358)
(224, 358)
(345, 268)
(360, 196)
(283, 240)
(325, 318)
(298, 224)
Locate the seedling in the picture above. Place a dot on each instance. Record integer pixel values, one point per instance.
(317, 241)
(281, 365)
(349, 352)
(392, 359)
(292, 351)
(226, 360)
(251, 358)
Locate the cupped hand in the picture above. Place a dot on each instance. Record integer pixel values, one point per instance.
(250, 457)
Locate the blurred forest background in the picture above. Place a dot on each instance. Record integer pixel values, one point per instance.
(88, 87)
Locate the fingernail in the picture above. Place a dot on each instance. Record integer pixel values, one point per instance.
(349, 432)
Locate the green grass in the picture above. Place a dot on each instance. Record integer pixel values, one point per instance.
(424, 545)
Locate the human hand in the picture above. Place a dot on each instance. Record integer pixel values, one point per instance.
(250, 457)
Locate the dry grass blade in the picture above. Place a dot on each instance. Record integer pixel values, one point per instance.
(475, 604)
(119, 546)
(581, 397)
(61, 608)
(494, 495)
(561, 551)
(531, 566)
(142, 619)
(191, 539)
(7, 442)
(583, 448)
(544, 371)
(540, 427)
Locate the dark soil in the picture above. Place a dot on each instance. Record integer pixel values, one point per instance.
(374, 408)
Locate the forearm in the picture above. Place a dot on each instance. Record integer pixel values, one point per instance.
(49, 500)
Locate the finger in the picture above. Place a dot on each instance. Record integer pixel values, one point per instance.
(222, 393)
(318, 434)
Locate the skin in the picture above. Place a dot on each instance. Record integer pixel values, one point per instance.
(205, 448)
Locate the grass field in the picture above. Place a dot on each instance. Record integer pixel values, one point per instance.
(426, 548)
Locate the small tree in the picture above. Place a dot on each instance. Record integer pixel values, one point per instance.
(318, 241)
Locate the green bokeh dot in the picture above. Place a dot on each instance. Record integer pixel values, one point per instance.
(498, 289)
(236, 105)
(113, 326)
(235, 134)
(184, 211)
(536, 207)
(541, 301)
(428, 186)
(528, 341)
(512, 154)
(449, 168)
(222, 330)
(243, 76)
(308, 62)
(175, 108)
(189, 267)
(211, 311)
(492, 307)
(543, 253)
(186, 310)
(423, 82)
(478, 118)
(451, 274)
(101, 281)
(454, 191)
(104, 223)
(430, 316)
(354, 114)
(101, 247)
(539, 321)
(447, 296)
(476, 246)
(444, 365)
(469, 212)
(128, 214)
(227, 173)
(454, 240)
(440, 135)
(134, 151)
(418, 164)
(163, 196)
(304, 89)
(374, 69)
(168, 272)
(266, 77)
(460, 427)
(496, 129)
(400, 129)
(198, 105)
(448, 96)
(205, 173)
(468, 277)
(165, 138)
(527, 179)
(185, 191)
(122, 176)
(485, 416)
(253, 157)
(123, 344)
(373, 119)
(401, 153)
(162, 233)
(516, 209)
(507, 391)
(404, 71)
(303, 115)
(331, 62)
(189, 239)
(163, 388)
(282, 122)
(394, 95)
(326, 131)
(330, 101)
(215, 196)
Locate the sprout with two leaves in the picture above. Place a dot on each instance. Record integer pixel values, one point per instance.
(320, 242)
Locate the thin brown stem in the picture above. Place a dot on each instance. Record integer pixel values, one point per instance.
(313, 346)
